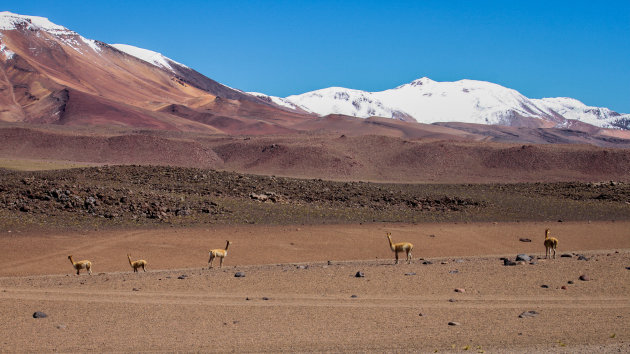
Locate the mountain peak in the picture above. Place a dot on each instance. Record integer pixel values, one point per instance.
(11, 21)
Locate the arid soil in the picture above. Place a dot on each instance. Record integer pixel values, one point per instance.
(141, 196)
(300, 292)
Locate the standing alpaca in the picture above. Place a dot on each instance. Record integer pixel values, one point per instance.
(137, 264)
(218, 253)
(399, 247)
(550, 244)
(81, 265)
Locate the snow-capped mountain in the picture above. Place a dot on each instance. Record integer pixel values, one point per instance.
(467, 101)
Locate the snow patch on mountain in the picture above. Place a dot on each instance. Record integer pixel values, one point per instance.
(149, 56)
(10, 21)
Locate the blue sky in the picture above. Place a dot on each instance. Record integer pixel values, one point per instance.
(552, 48)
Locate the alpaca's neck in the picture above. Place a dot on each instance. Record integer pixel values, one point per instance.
(128, 256)
(227, 245)
(546, 235)
(71, 261)
(391, 244)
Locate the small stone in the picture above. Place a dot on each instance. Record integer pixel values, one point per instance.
(61, 326)
(421, 314)
(628, 268)
(524, 240)
(429, 262)
(459, 261)
(454, 271)
(564, 287)
(452, 323)
(183, 276)
(570, 282)
(444, 262)
(582, 257)
(265, 298)
(302, 267)
(545, 286)
(533, 262)
(452, 300)
(329, 262)
(412, 273)
(239, 275)
(135, 289)
(247, 299)
(507, 262)
(566, 255)
(353, 296)
(528, 314)
(584, 277)
(359, 275)
(523, 257)
(39, 314)
(460, 290)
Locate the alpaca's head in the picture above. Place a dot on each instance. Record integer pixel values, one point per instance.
(70, 257)
(546, 232)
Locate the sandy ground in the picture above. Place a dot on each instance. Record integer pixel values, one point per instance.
(299, 293)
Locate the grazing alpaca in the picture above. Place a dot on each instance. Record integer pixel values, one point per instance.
(399, 247)
(218, 253)
(550, 244)
(81, 265)
(137, 264)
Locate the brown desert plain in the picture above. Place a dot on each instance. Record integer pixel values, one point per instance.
(299, 246)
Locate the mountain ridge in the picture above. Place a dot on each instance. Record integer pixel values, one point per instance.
(467, 101)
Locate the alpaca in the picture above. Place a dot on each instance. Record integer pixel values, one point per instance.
(81, 265)
(399, 247)
(221, 253)
(137, 264)
(550, 244)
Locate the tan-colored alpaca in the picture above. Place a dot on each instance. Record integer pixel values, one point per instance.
(81, 265)
(400, 247)
(137, 264)
(220, 253)
(550, 244)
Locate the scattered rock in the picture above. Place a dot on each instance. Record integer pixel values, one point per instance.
(265, 298)
(247, 298)
(545, 286)
(564, 287)
(135, 289)
(444, 262)
(454, 271)
(582, 257)
(302, 267)
(421, 314)
(584, 277)
(329, 262)
(183, 276)
(452, 323)
(570, 282)
(628, 268)
(460, 290)
(533, 262)
(459, 261)
(524, 240)
(429, 262)
(239, 275)
(61, 326)
(523, 257)
(412, 273)
(452, 300)
(507, 262)
(39, 314)
(566, 255)
(353, 296)
(530, 313)
(359, 275)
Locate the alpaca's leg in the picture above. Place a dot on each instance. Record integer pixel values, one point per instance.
(409, 257)
(144, 270)
(210, 261)
(396, 257)
(554, 253)
(221, 262)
